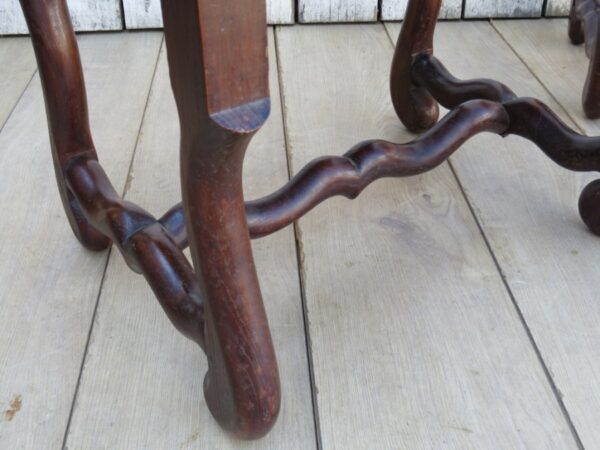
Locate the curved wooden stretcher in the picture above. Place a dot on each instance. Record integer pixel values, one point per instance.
(218, 66)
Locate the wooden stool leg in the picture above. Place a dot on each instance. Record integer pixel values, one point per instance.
(219, 74)
(591, 90)
(415, 107)
(584, 28)
(66, 103)
(575, 26)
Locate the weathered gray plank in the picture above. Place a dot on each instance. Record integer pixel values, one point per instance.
(310, 11)
(87, 15)
(555, 8)
(142, 382)
(395, 9)
(562, 304)
(415, 341)
(503, 8)
(147, 13)
(49, 284)
(17, 64)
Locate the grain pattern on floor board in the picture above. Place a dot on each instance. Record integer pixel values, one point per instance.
(142, 381)
(17, 64)
(552, 262)
(49, 284)
(415, 341)
(528, 210)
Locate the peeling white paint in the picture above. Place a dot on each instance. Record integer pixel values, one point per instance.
(395, 9)
(147, 13)
(310, 11)
(87, 15)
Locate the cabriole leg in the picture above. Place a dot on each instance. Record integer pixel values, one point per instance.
(219, 74)
(66, 103)
(415, 107)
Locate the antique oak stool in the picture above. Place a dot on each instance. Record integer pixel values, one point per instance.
(583, 28)
(218, 66)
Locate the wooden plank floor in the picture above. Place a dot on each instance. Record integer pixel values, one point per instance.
(457, 309)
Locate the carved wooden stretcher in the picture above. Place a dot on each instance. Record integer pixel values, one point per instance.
(583, 28)
(218, 65)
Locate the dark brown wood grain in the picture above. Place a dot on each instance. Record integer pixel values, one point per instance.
(218, 63)
(218, 66)
(66, 103)
(583, 29)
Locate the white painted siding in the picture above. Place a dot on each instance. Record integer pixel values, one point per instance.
(87, 15)
(147, 13)
(142, 14)
(503, 8)
(94, 15)
(280, 11)
(395, 9)
(310, 11)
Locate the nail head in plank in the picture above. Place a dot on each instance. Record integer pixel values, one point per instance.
(395, 9)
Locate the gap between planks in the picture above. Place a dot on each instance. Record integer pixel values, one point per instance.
(131, 382)
(548, 257)
(299, 251)
(477, 220)
(110, 250)
(561, 68)
(49, 286)
(382, 382)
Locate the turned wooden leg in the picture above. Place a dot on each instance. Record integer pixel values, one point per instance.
(66, 103)
(217, 51)
(415, 107)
